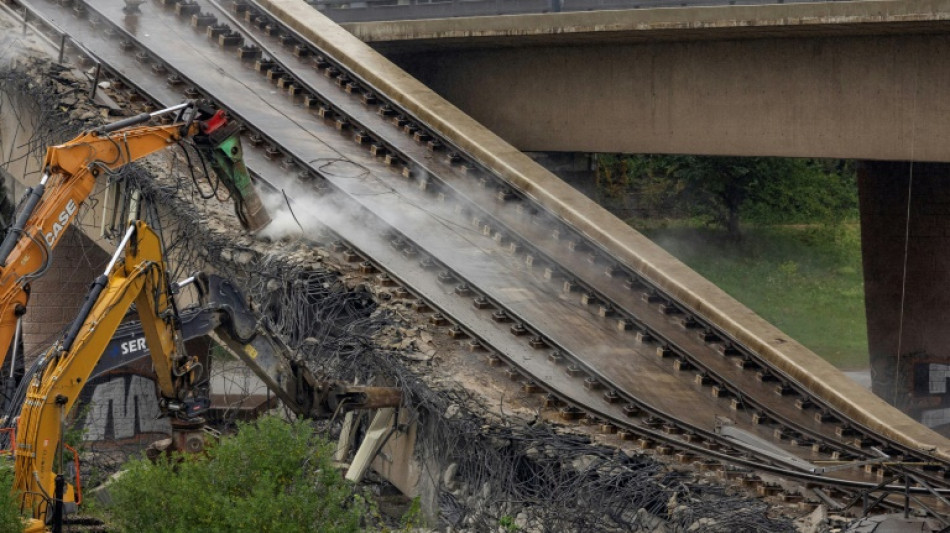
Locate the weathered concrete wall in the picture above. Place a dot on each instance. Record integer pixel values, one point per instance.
(865, 97)
(907, 276)
(56, 297)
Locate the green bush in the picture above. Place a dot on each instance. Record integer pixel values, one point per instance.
(10, 519)
(271, 476)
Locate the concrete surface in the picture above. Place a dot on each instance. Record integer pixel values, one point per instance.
(857, 80)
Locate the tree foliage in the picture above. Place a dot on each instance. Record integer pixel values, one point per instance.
(10, 517)
(272, 476)
(730, 190)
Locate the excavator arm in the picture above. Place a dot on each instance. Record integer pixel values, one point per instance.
(136, 275)
(69, 175)
(265, 353)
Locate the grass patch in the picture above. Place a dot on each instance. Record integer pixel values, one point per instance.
(806, 280)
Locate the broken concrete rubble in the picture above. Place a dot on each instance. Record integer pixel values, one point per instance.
(497, 460)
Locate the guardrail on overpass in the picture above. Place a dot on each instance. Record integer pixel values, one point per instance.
(378, 10)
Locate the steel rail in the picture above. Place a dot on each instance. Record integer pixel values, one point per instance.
(723, 383)
(826, 408)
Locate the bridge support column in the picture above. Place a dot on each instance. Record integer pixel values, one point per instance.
(907, 283)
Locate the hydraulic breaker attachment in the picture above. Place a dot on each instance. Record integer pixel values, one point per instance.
(220, 144)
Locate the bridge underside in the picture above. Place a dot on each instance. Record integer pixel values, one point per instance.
(860, 97)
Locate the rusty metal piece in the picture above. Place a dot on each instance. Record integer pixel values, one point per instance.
(187, 9)
(783, 389)
(682, 365)
(272, 152)
(500, 316)
(631, 410)
(202, 20)
(377, 150)
(537, 342)
(302, 51)
(456, 332)
(334, 397)
(311, 101)
(570, 413)
(664, 450)
(255, 139)
(214, 30)
(685, 458)
(531, 387)
(644, 337)
(804, 403)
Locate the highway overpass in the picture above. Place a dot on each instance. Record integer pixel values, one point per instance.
(860, 80)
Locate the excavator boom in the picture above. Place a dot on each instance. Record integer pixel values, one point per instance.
(69, 175)
(136, 275)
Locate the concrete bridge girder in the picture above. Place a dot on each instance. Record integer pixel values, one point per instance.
(843, 81)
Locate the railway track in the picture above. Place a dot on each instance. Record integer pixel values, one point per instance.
(504, 274)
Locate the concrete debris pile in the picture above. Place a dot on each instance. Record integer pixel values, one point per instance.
(486, 469)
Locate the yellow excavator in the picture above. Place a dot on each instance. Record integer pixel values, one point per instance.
(137, 274)
(70, 171)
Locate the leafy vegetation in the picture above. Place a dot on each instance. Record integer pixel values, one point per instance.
(10, 518)
(777, 234)
(727, 191)
(271, 476)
